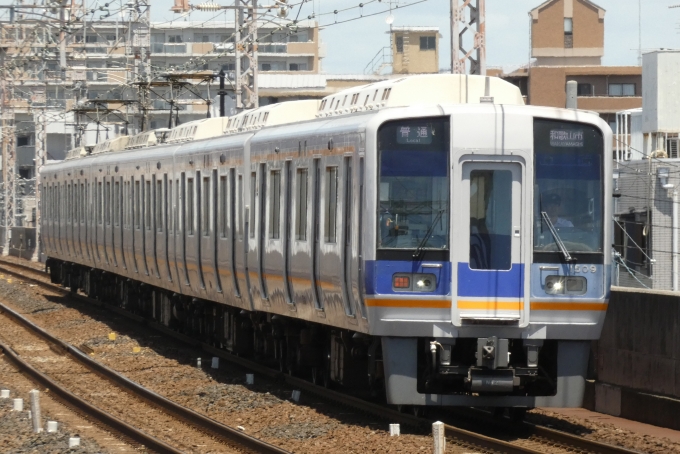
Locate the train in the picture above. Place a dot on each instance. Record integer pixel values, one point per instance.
(430, 239)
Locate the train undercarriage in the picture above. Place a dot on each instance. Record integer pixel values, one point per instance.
(327, 355)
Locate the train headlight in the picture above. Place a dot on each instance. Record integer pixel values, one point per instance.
(566, 285)
(424, 282)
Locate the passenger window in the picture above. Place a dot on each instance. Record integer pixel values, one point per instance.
(147, 205)
(253, 195)
(223, 206)
(170, 207)
(331, 208)
(275, 208)
(82, 202)
(190, 206)
(301, 205)
(116, 204)
(99, 203)
(137, 202)
(159, 206)
(490, 219)
(107, 202)
(239, 211)
(205, 198)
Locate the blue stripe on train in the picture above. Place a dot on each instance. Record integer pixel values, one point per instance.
(481, 283)
(379, 276)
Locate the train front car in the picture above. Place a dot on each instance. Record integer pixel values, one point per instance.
(491, 268)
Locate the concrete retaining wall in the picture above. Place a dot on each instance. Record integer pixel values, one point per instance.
(637, 359)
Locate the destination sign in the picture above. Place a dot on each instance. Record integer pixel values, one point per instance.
(562, 138)
(414, 135)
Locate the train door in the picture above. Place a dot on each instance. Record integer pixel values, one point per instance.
(68, 219)
(241, 253)
(150, 226)
(138, 244)
(317, 292)
(115, 223)
(108, 224)
(162, 228)
(206, 235)
(262, 229)
(288, 230)
(98, 238)
(173, 226)
(181, 231)
(224, 236)
(119, 214)
(489, 279)
(76, 219)
(347, 231)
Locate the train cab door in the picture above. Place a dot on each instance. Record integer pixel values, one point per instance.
(488, 281)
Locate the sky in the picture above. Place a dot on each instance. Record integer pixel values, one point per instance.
(350, 46)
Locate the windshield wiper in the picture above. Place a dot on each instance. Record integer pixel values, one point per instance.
(558, 240)
(427, 234)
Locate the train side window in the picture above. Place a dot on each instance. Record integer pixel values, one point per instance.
(176, 205)
(170, 207)
(82, 201)
(190, 206)
(147, 205)
(74, 198)
(253, 195)
(159, 206)
(275, 208)
(99, 203)
(137, 205)
(239, 211)
(331, 199)
(116, 203)
(205, 198)
(301, 205)
(224, 205)
(107, 202)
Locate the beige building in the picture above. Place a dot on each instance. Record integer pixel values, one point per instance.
(415, 50)
(567, 42)
(567, 32)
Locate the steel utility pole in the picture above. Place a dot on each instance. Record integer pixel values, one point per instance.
(8, 155)
(140, 50)
(475, 27)
(40, 121)
(245, 49)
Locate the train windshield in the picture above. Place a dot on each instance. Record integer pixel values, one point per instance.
(568, 190)
(413, 186)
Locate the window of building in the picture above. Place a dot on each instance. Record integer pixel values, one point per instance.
(266, 67)
(584, 90)
(400, 44)
(23, 141)
(299, 37)
(297, 67)
(175, 39)
(568, 26)
(91, 38)
(427, 43)
(201, 38)
(621, 89)
(110, 37)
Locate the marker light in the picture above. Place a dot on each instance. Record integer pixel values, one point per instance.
(402, 282)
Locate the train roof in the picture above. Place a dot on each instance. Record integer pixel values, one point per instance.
(422, 89)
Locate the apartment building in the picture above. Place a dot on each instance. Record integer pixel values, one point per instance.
(99, 68)
(567, 43)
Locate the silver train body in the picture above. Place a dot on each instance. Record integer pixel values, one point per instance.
(449, 250)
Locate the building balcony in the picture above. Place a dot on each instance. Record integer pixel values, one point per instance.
(609, 104)
(182, 48)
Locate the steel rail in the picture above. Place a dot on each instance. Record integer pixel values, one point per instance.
(203, 423)
(71, 400)
(563, 439)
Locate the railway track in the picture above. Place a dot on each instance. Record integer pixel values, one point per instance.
(533, 439)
